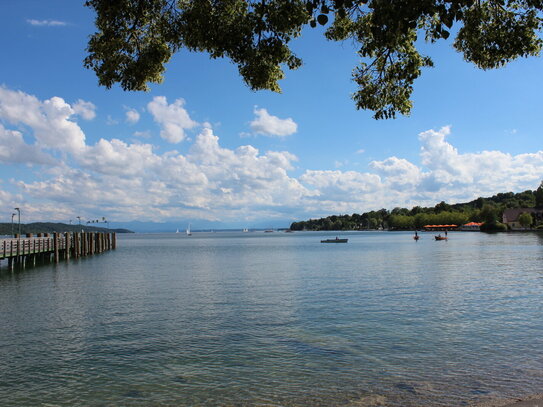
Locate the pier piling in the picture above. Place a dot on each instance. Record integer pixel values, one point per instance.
(26, 251)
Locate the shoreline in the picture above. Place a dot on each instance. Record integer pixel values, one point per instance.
(534, 400)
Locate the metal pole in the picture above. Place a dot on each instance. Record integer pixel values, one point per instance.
(19, 216)
(12, 216)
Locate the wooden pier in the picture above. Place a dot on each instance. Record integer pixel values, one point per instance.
(22, 251)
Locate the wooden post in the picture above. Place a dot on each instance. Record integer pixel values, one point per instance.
(55, 246)
(76, 245)
(114, 240)
(67, 246)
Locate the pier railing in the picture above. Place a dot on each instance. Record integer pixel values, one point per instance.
(19, 251)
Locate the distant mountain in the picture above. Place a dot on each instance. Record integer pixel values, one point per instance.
(49, 227)
(198, 224)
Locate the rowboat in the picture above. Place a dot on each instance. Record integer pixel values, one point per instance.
(336, 240)
(441, 237)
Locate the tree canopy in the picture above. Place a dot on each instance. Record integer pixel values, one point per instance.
(487, 210)
(136, 38)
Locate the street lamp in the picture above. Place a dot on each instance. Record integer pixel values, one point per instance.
(12, 216)
(19, 213)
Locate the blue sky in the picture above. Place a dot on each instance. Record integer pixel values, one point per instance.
(202, 148)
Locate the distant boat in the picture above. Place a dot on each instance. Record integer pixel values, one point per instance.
(177, 231)
(245, 230)
(268, 231)
(289, 231)
(188, 231)
(336, 240)
(439, 237)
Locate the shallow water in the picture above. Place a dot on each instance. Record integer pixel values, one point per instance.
(276, 319)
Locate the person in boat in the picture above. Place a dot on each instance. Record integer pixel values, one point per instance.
(337, 238)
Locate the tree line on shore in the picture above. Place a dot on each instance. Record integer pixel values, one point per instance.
(49, 227)
(486, 210)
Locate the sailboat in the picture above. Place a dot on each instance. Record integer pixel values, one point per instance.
(177, 231)
(188, 231)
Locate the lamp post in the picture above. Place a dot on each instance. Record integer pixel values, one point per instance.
(12, 216)
(19, 216)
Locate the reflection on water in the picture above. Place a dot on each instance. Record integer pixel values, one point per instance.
(277, 319)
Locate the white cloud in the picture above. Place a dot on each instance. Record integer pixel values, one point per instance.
(173, 118)
(46, 23)
(13, 149)
(142, 134)
(110, 121)
(128, 181)
(116, 157)
(85, 109)
(268, 125)
(49, 120)
(132, 116)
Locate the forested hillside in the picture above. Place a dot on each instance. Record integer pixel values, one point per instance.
(47, 227)
(487, 210)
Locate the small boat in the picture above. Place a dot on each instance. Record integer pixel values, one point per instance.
(188, 232)
(336, 240)
(439, 237)
(416, 237)
(268, 231)
(245, 230)
(177, 231)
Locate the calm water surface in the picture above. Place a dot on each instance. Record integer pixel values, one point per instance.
(275, 319)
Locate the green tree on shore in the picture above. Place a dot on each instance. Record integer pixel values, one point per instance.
(539, 196)
(487, 210)
(136, 38)
(525, 219)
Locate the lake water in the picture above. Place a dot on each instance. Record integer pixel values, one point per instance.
(277, 319)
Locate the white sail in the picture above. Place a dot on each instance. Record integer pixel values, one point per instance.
(188, 231)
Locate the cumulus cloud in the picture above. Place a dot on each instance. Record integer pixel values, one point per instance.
(46, 23)
(14, 150)
(210, 182)
(128, 181)
(132, 116)
(85, 109)
(173, 118)
(49, 120)
(268, 125)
